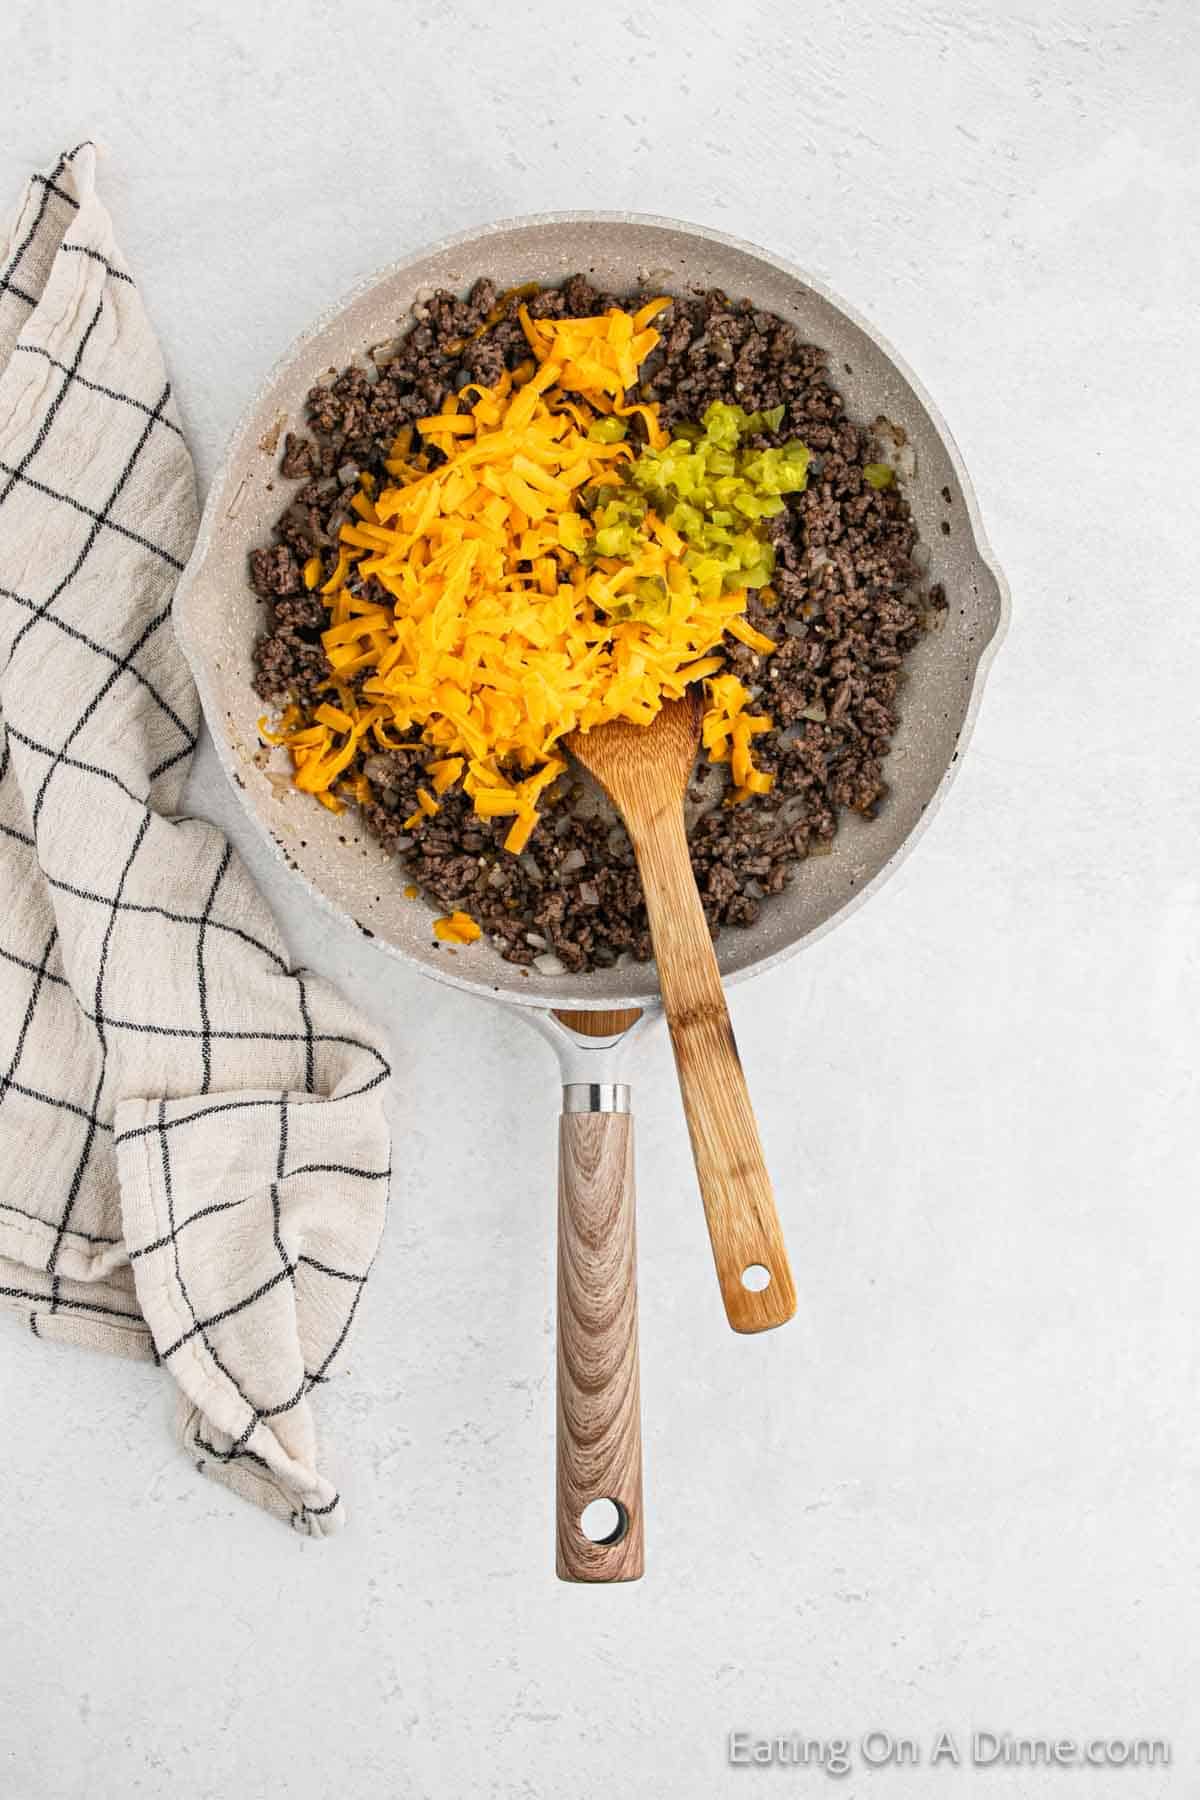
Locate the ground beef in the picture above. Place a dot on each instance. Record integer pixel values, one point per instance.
(275, 571)
(299, 459)
(289, 661)
(848, 609)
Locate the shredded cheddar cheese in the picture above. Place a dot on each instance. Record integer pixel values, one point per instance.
(473, 609)
(601, 357)
(458, 928)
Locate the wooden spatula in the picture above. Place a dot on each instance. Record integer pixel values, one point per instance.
(644, 770)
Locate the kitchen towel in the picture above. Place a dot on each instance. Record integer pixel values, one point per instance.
(193, 1150)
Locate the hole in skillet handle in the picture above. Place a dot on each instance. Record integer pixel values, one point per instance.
(756, 1278)
(604, 1521)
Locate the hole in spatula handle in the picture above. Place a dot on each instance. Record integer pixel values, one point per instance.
(604, 1521)
(756, 1278)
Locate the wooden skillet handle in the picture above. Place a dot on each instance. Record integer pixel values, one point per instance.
(599, 1452)
(739, 1204)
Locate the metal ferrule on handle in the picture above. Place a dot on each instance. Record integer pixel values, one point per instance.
(595, 1097)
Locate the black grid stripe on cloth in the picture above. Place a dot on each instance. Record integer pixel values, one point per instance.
(47, 193)
(204, 1120)
(343, 1290)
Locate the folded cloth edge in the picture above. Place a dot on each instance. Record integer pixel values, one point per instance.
(73, 1292)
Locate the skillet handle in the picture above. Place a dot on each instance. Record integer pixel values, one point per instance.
(599, 1437)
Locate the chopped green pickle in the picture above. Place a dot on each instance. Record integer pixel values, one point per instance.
(878, 475)
(714, 491)
(608, 431)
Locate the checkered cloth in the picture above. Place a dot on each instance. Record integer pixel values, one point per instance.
(193, 1154)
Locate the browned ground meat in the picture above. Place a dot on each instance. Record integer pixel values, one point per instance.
(848, 611)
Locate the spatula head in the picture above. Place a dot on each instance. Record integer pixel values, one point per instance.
(642, 766)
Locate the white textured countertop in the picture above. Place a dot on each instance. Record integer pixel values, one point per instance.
(963, 1488)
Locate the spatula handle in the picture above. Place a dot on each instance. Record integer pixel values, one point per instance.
(599, 1449)
(739, 1204)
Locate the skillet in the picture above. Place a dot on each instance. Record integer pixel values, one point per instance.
(589, 1018)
